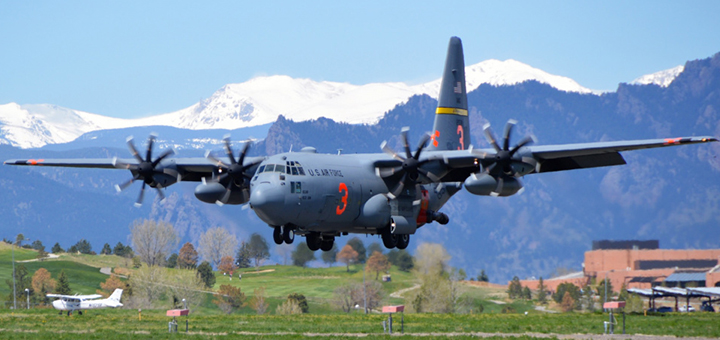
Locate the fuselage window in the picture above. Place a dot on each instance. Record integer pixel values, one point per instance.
(279, 168)
(260, 169)
(270, 168)
(300, 171)
(294, 171)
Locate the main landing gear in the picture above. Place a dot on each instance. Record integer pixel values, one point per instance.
(399, 241)
(283, 234)
(316, 241)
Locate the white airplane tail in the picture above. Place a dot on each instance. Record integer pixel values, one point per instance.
(116, 295)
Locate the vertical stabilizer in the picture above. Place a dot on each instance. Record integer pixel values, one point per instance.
(451, 130)
(116, 295)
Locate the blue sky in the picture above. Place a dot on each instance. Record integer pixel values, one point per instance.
(138, 58)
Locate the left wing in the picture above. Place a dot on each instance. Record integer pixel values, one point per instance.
(79, 297)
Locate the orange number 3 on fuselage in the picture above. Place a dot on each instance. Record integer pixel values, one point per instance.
(341, 208)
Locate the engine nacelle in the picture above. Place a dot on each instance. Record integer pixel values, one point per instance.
(485, 185)
(375, 212)
(402, 226)
(212, 192)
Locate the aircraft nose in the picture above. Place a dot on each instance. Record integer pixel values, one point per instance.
(268, 201)
(57, 304)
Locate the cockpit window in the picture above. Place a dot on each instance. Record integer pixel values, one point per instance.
(292, 168)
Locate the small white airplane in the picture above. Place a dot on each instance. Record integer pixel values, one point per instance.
(71, 303)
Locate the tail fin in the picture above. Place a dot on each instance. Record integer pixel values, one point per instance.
(451, 130)
(116, 295)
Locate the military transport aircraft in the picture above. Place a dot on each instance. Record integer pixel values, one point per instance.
(71, 303)
(391, 194)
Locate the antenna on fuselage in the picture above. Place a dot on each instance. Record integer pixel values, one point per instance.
(339, 151)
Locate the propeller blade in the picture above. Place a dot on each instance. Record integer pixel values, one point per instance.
(225, 197)
(498, 188)
(167, 152)
(228, 150)
(388, 150)
(506, 136)
(121, 187)
(243, 152)
(476, 152)
(525, 141)
(399, 187)
(406, 144)
(122, 165)
(148, 155)
(217, 162)
(133, 150)
(139, 201)
(423, 140)
(490, 137)
(160, 193)
(429, 175)
(384, 173)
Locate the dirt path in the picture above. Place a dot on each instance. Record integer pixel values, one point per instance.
(108, 271)
(49, 256)
(399, 293)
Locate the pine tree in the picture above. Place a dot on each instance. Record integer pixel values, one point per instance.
(106, 249)
(205, 273)
(56, 249)
(63, 284)
(243, 258)
(542, 292)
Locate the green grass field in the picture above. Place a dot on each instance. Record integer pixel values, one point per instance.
(123, 324)
(324, 319)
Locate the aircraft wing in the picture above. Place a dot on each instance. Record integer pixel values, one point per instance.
(79, 297)
(590, 155)
(190, 169)
(549, 158)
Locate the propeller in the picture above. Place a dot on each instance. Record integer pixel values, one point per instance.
(501, 168)
(235, 173)
(145, 170)
(411, 167)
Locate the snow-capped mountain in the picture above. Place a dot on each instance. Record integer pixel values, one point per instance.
(662, 78)
(29, 126)
(260, 101)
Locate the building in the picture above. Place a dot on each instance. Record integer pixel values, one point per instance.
(642, 264)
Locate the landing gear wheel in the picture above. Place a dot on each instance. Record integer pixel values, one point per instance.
(288, 235)
(402, 241)
(389, 240)
(79, 312)
(313, 241)
(277, 235)
(327, 243)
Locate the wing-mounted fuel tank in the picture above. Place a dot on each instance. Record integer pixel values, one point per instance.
(486, 185)
(213, 192)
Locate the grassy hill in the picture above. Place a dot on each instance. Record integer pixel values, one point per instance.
(317, 284)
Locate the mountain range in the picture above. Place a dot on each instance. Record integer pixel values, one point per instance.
(260, 101)
(670, 194)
